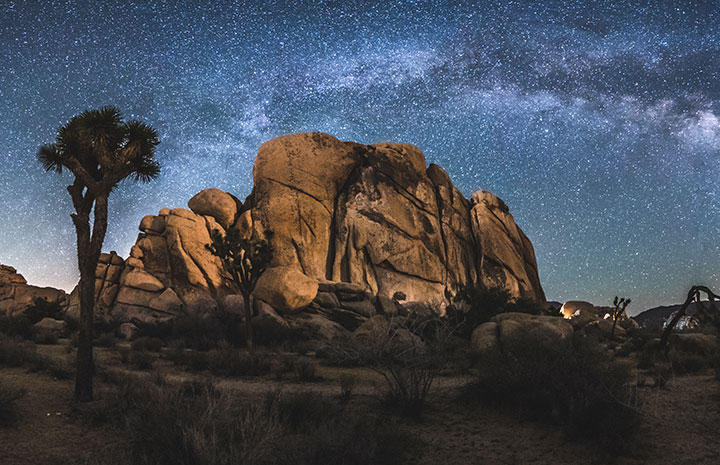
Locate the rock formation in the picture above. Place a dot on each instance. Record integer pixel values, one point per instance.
(16, 295)
(358, 229)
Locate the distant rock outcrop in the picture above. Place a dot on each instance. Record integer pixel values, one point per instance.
(16, 295)
(358, 230)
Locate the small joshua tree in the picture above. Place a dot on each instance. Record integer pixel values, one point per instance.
(619, 304)
(245, 258)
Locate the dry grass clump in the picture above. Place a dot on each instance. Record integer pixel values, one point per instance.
(15, 352)
(224, 360)
(199, 424)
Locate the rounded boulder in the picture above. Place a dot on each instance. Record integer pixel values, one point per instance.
(286, 289)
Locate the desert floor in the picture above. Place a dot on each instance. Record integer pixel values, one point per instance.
(680, 424)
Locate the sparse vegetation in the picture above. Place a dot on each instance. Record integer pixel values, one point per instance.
(574, 385)
(347, 385)
(475, 305)
(8, 399)
(305, 370)
(217, 427)
(407, 363)
(16, 325)
(45, 336)
(42, 308)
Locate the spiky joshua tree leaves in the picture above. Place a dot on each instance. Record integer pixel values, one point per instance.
(245, 258)
(100, 150)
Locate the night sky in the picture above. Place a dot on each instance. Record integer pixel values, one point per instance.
(598, 124)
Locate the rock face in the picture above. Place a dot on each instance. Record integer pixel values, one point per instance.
(16, 295)
(357, 230)
(376, 216)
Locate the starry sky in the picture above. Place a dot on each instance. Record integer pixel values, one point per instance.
(597, 123)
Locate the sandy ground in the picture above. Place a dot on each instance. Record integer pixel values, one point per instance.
(681, 425)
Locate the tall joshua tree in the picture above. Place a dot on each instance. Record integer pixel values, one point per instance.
(245, 258)
(100, 150)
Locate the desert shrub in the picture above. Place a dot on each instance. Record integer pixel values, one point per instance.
(217, 427)
(160, 329)
(8, 408)
(227, 360)
(16, 353)
(198, 332)
(408, 364)
(45, 336)
(141, 360)
(17, 325)
(147, 343)
(305, 370)
(347, 385)
(342, 351)
(574, 385)
(42, 308)
(137, 359)
(686, 362)
(475, 305)
(106, 340)
(60, 369)
(100, 325)
(715, 364)
(269, 332)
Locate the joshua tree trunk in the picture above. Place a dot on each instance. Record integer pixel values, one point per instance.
(248, 321)
(88, 253)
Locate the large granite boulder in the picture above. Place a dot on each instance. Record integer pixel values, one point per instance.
(16, 295)
(354, 227)
(378, 217)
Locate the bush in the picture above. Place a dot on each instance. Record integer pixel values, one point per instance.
(41, 308)
(225, 360)
(347, 385)
(685, 362)
(18, 325)
(305, 370)
(715, 364)
(342, 351)
(216, 427)
(198, 332)
(141, 360)
(16, 353)
(45, 336)
(230, 361)
(473, 306)
(574, 385)
(106, 340)
(8, 397)
(408, 364)
(145, 343)
(138, 360)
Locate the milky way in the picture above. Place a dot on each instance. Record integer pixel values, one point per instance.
(599, 125)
